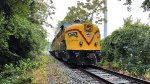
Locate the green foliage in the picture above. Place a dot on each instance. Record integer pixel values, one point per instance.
(23, 72)
(21, 33)
(129, 47)
(40, 11)
(147, 74)
(36, 11)
(86, 11)
(17, 74)
(26, 38)
(145, 5)
(21, 37)
(116, 65)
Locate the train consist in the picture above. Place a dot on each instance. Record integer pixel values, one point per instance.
(77, 43)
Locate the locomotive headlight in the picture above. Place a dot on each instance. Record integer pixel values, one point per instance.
(81, 43)
(96, 43)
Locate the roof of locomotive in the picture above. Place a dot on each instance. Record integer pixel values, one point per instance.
(69, 24)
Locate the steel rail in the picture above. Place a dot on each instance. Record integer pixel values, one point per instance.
(130, 78)
(95, 76)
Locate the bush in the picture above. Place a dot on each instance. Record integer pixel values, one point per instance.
(14, 74)
(129, 46)
(26, 40)
(21, 31)
(24, 71)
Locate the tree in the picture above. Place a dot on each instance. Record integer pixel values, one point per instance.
(40, 11)
(129, 47)
(86, 12)
(145, 5)
(21, 32)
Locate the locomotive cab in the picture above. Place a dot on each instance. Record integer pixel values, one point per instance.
(78, 43)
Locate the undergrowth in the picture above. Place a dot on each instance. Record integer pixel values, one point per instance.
(25, 71)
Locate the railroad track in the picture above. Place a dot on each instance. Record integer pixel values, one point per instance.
(105, 76)
(111, 77)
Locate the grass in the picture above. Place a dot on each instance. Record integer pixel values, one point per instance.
(147, 74)
(49, 72)
(40, 74)
(56, 73)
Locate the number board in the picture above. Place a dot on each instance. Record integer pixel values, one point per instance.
(72, 34)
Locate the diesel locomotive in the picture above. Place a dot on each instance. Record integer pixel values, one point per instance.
(77, 43)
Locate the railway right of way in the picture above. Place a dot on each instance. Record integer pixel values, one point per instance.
(101, 75)
(111, 77)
